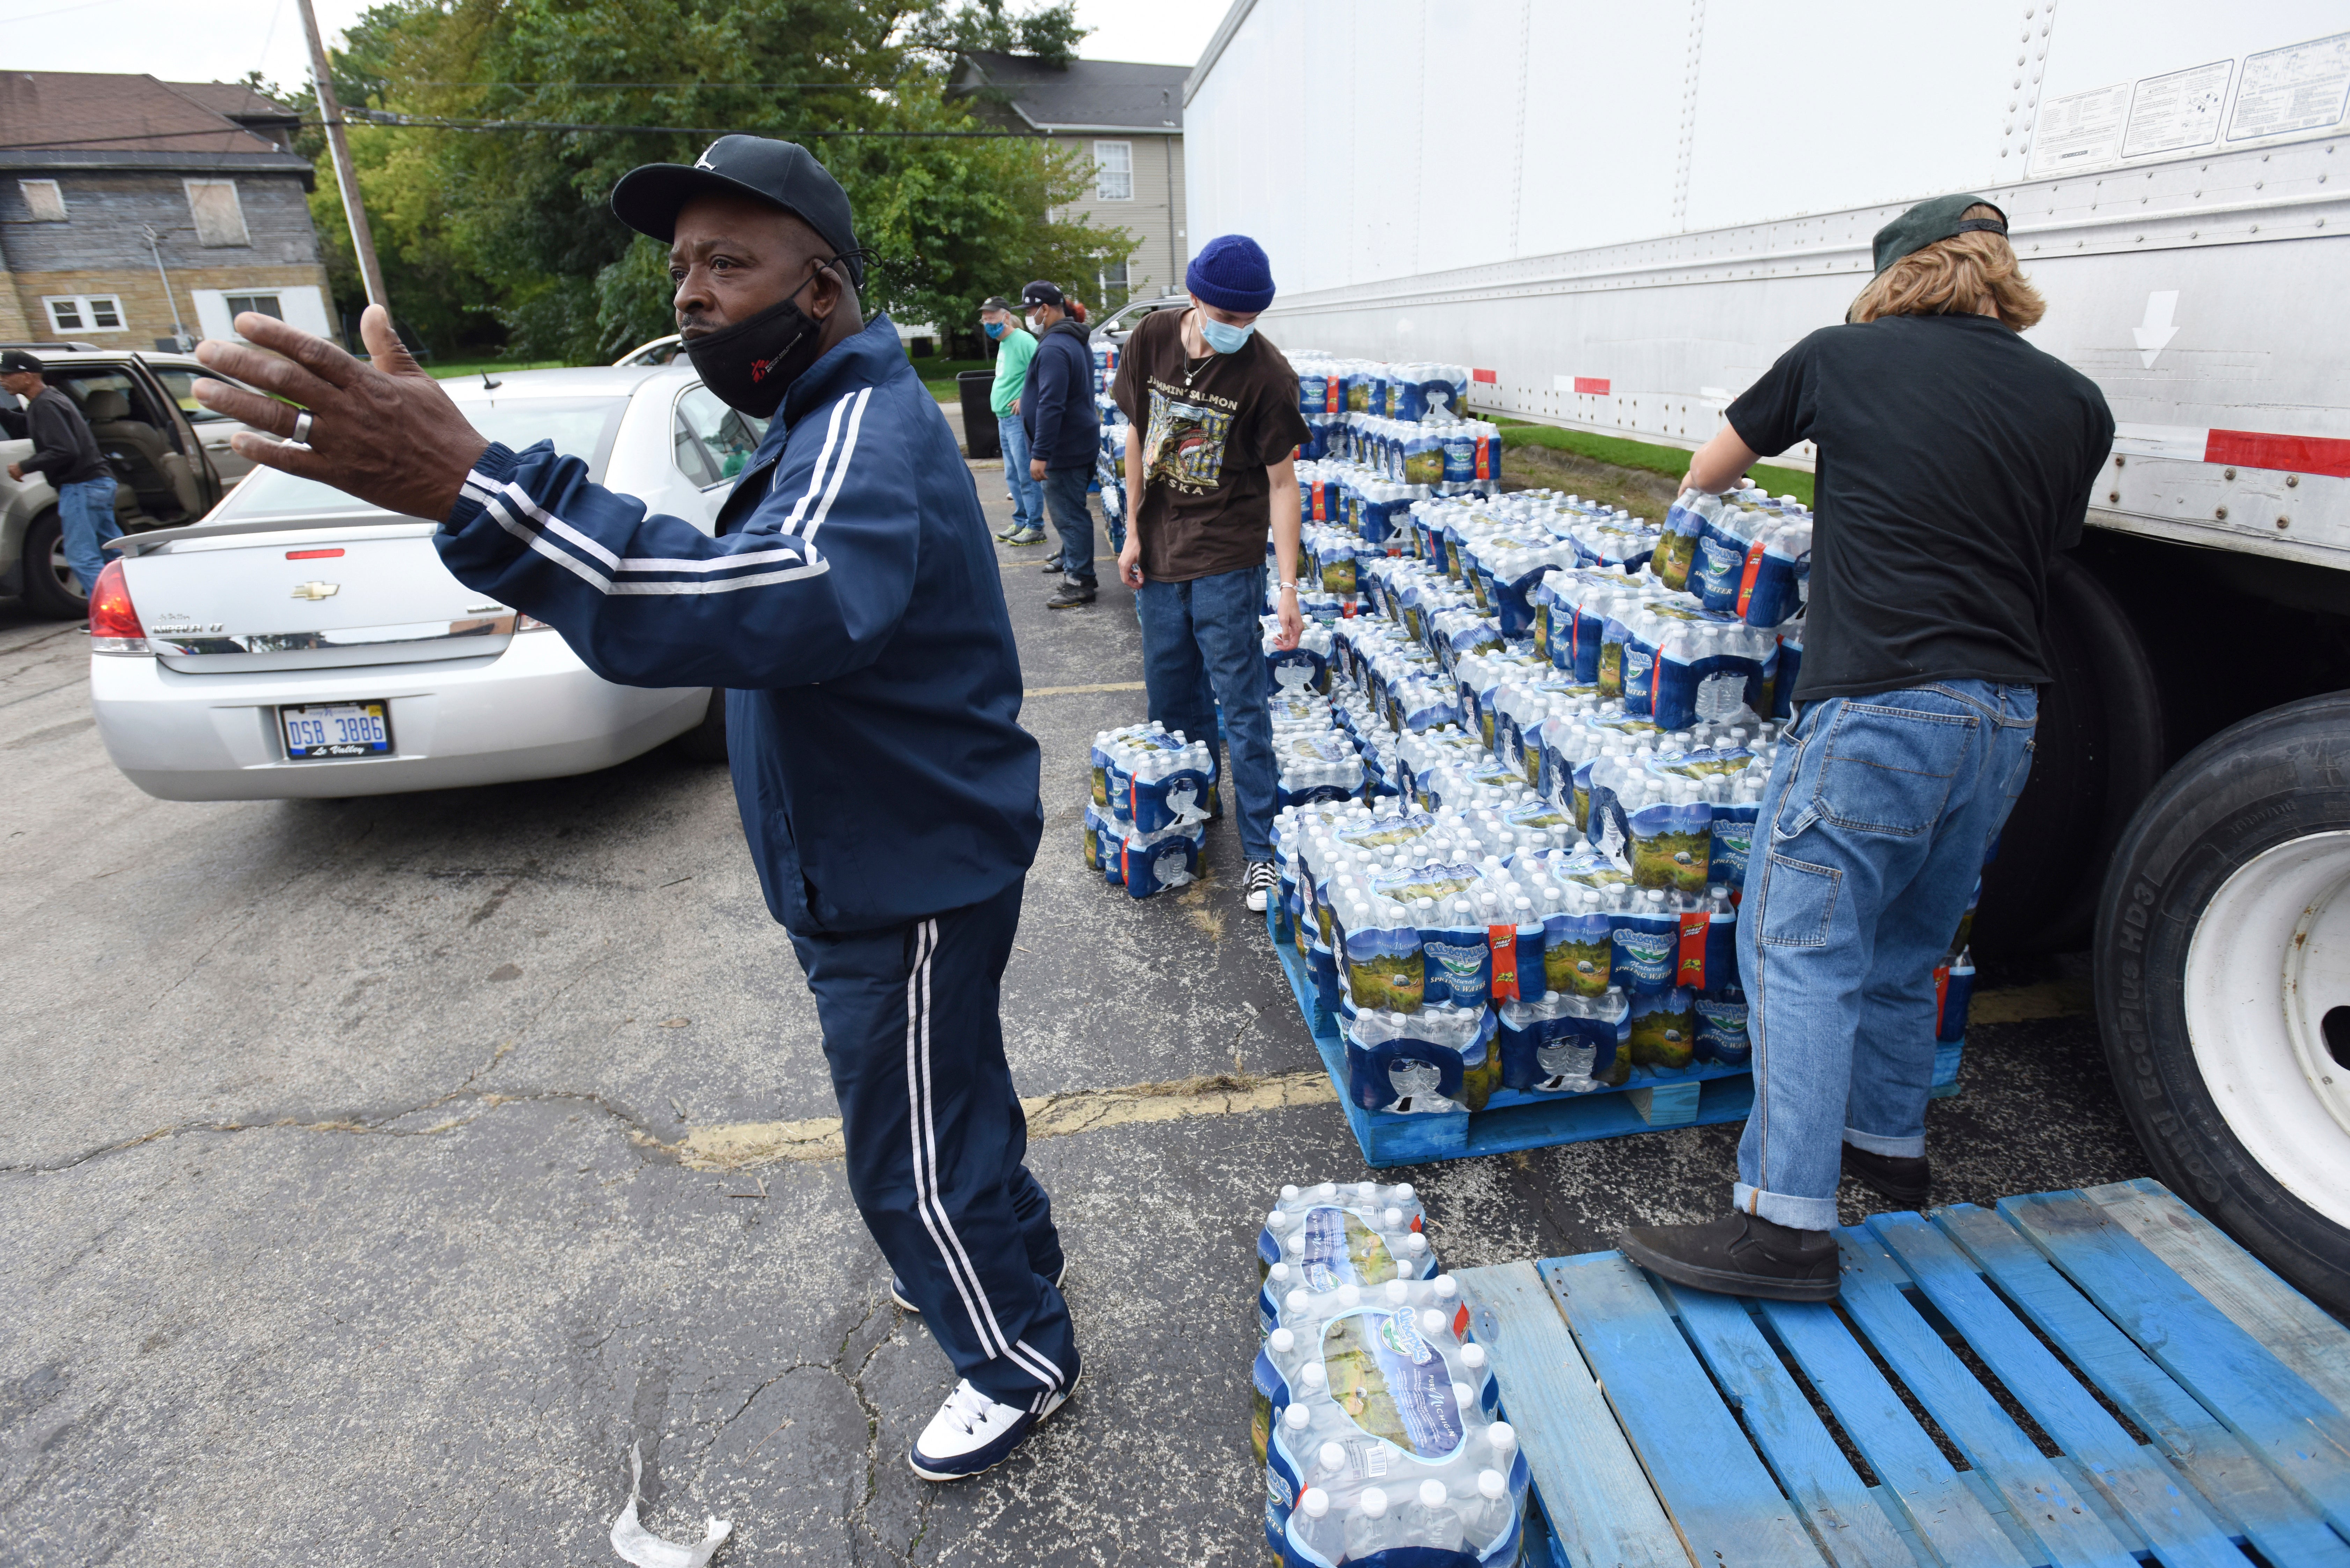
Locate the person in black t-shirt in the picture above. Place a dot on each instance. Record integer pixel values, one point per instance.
(1955, 460)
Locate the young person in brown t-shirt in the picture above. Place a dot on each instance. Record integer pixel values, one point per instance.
(1210, 469)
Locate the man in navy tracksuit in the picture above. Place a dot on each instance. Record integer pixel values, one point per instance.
(852, 607)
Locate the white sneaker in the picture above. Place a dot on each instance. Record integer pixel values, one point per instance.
(972, 1432)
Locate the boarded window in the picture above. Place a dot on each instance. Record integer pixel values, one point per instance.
(220, 221)
(43, 202)
(1113, 170)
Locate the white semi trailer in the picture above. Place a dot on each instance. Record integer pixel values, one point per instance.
(1621, 212)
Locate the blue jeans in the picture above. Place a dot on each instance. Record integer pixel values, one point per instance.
(1871, 837)
(1202, 647)
(86, 511)
(1065, 497)
(1027, 495)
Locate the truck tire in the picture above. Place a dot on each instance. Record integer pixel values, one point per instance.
(2098, 750)
(706, 742)
(51, 589)
(2223, 986)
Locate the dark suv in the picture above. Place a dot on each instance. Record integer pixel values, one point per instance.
(163, 474)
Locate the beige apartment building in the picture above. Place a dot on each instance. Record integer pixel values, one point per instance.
(1126, 120)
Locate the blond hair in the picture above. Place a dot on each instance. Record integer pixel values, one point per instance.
(1955, 276)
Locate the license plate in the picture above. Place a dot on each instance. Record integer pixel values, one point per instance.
(326, 731)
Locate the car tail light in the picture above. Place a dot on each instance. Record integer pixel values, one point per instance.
(113, 620)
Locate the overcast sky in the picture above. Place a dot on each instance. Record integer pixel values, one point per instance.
(206, 40)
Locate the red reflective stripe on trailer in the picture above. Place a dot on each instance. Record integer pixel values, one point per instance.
(1598, 384)
(2297, 454)
(1487, 377)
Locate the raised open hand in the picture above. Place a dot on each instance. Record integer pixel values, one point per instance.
(385, 431)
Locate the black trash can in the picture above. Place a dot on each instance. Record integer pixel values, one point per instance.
(979, 436)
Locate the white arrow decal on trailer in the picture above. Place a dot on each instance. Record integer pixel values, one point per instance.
(2156, 331)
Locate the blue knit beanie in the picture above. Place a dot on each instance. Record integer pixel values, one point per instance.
(1231, 273)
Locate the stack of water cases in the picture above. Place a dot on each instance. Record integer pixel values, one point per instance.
(1523, 746)
(1153, 792)
(1377, 1416)
(1109, 461)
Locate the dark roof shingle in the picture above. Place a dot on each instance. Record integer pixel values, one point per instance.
(1122, 94)
(103, 112)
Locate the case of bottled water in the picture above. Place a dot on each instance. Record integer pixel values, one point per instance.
(1378, 1409)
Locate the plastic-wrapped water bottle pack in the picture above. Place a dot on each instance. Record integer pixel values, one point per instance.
(1153, 792)
(1377, 1416)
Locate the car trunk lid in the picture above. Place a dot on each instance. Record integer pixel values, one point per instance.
(312, 599)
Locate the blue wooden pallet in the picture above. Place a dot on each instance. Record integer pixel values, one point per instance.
(1673, 1428)
(1696, 1095)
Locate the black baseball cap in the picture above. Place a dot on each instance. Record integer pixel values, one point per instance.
(1931, 222)
(16, 363)
(1042, 292)
(995, 302)
(648, 197)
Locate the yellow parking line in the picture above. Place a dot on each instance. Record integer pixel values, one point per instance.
(738, 1145)
(743, 1144)
(2026, 1004)
(1074, 690)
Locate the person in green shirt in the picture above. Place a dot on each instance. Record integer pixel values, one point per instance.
(1013, 349)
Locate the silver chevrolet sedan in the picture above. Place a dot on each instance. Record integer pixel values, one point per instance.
(299, 642)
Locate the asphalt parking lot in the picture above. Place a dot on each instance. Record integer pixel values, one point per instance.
(375, 1173)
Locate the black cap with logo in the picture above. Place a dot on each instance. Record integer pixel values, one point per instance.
(16, 363)
(784, 173)
(1042, 292)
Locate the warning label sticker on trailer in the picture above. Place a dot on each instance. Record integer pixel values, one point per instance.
(2080, 130)
(2298, 87)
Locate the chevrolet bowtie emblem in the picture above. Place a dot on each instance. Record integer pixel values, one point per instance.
(315, 591)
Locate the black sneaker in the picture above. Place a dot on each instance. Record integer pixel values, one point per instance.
(1738, 1255)
(1903, 1180)
(1068, 595)
(1260, 880)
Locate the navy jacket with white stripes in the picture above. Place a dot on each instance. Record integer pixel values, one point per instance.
(852, 606)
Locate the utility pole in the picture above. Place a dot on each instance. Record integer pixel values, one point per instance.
(347, 179)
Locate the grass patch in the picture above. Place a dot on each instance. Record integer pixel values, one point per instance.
(939, 373)
(1670, 462)
(452, 369)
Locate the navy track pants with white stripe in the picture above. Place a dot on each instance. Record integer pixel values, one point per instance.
(936, 1138)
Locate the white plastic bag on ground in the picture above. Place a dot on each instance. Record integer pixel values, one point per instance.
(640, 1546)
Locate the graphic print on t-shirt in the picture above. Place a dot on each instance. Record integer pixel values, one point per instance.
(1184, 444)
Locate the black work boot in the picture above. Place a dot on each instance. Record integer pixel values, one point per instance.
(1069, 595)
(1738, 1255)
(1903, 1180)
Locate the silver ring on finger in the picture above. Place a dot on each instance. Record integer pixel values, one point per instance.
(301, 436)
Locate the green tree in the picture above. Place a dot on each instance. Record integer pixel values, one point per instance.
(509, 230)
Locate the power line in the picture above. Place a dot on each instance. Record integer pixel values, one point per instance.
(405, 122)
(409, 122)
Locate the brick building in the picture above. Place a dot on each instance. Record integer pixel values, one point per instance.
(1124, 119)
(136, 212)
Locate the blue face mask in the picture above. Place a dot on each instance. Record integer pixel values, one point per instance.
(993, 329)
(1222, 339)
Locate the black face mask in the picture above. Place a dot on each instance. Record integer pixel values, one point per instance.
(752, 364)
